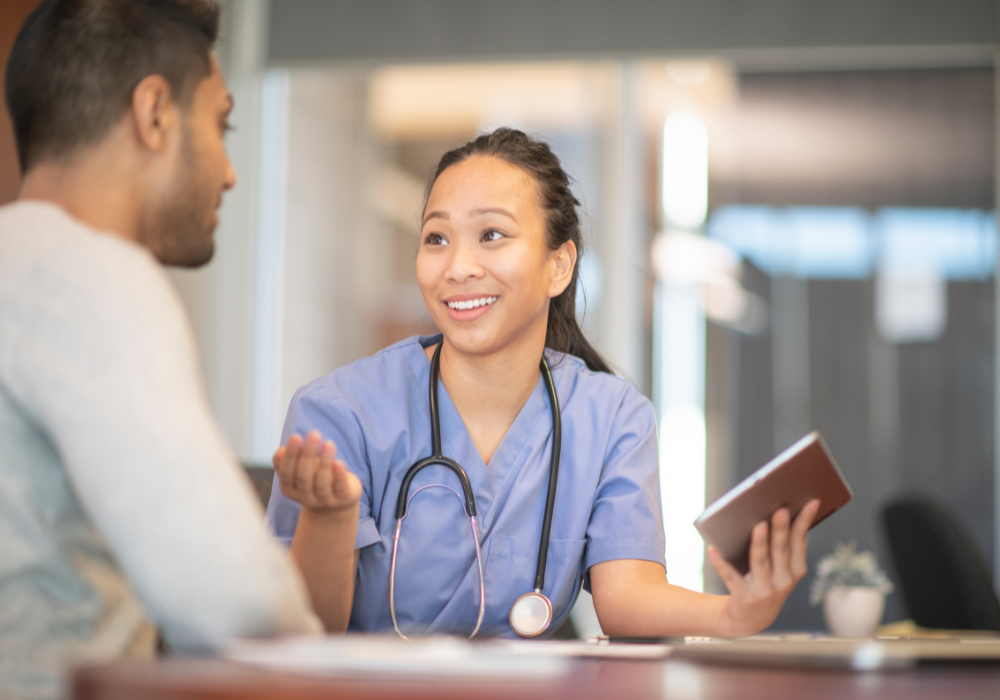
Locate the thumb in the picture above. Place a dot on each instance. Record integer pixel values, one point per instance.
(347, 486)
(727, 572)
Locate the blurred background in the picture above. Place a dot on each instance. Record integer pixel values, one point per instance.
(789, 223)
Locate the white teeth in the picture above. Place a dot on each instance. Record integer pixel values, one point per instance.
(471, 304)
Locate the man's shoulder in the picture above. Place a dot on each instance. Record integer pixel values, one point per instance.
(43, 245)
(30, 232)
(61, 280)
(33, 229)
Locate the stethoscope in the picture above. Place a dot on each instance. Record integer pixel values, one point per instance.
(531, 614)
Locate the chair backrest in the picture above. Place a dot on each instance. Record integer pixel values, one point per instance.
(262, 479)
(944, 581)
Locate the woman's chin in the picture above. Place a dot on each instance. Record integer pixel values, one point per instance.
(469, 341)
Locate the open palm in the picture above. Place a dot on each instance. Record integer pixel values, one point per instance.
(310, 474)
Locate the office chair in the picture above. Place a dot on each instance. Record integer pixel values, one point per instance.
(944, 581)
(262, 479)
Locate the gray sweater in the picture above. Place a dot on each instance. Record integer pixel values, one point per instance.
(120, 501)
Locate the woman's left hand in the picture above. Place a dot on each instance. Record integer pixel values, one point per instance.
(777, 563)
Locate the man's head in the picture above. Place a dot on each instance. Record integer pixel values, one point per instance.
(138, 75)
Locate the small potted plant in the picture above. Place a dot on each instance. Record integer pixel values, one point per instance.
(852, 588)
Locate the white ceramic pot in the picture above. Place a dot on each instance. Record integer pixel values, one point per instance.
(853, 611)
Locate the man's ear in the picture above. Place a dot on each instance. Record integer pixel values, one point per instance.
(564, 261)
(154, 112)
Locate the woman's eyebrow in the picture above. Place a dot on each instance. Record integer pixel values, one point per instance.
(494, 210)
(436, 215)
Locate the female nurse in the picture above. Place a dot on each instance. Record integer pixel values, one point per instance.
(497, 268)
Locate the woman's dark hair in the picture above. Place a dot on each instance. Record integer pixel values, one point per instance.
(535, 158)
(75, 64)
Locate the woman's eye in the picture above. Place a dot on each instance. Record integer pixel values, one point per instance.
(492, 235)
(435, 239)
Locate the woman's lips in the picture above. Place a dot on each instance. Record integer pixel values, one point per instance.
(476, 307)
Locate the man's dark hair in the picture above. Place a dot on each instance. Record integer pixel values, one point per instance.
(76, 63)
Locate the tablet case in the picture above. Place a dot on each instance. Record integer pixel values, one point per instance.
(804, 471)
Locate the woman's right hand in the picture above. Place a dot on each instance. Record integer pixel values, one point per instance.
(323, 546)
(310, 474)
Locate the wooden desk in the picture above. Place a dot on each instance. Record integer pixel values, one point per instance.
(674, 679)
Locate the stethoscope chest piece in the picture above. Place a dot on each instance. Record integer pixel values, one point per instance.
(531, 614)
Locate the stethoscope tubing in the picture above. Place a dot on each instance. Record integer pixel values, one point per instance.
(392, 577)
(550, 498)
(469, 498)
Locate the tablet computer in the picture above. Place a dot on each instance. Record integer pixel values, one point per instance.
(804, 471)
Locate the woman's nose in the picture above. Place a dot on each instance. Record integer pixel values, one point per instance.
(464, 264)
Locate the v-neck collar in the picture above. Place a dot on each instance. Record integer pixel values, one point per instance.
(457, 443)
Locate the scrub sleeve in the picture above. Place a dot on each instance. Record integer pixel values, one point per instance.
(626, 520)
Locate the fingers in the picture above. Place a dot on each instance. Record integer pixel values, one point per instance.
(295, 464)
(806, 518)
(760, 560)
(279, 455)
(305, 465)
(777, 563)
(310, 474)
(727, 572)
(323, 479)
(800, 538)
(780, 551)
(285, 459)
(291, 449)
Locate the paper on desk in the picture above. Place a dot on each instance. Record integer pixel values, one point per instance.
(594, 648)
(363, 655)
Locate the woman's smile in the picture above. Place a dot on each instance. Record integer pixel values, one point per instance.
(469, 307)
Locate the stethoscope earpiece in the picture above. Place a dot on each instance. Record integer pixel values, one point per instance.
(531, 614)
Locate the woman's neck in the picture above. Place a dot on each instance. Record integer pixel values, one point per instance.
(490, 390)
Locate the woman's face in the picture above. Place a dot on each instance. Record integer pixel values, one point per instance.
(484, 269)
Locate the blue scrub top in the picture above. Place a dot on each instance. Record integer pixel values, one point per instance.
(607, 500)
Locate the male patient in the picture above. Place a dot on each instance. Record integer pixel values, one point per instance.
(119, 499)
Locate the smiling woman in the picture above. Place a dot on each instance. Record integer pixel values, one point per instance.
(531, 204)
(551, 457)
